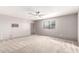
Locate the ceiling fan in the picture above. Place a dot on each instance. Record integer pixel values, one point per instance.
(36, 13)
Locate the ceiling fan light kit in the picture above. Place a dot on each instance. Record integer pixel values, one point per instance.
(36, 13)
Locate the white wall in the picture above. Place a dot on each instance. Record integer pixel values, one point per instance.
(7, 32)
(66, 27)
(78, 28)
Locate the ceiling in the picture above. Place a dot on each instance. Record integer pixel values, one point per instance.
(47, 11)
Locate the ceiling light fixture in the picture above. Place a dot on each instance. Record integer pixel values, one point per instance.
(36, 13)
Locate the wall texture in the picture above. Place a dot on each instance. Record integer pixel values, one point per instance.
(66, 27)
(7, 32)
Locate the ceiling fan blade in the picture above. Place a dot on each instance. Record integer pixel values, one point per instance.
(41, 14)
(31, 14)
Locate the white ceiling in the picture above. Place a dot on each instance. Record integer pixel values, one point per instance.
(48, 11)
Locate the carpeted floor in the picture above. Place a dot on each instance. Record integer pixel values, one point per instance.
(37, 44)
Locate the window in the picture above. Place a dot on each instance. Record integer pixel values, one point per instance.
(14, 25)
(48, 24)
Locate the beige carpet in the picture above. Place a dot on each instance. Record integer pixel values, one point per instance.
(37, 44)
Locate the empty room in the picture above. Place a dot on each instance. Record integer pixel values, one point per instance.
(39, 29)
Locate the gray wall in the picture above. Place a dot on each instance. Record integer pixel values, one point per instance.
(66, 27)
(7, 32)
